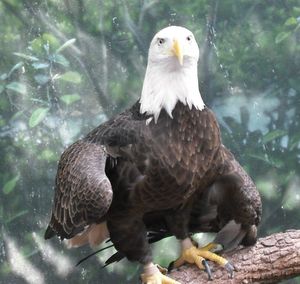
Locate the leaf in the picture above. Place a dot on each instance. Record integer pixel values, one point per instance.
(60, 59)
(294, 142)
(41, 79)
(25, 56)
(17, 115)
(10, 185)
(281, 37)
(267, 188)
(292, 21)
(50, 39)
(18, 215)
(17, 87)
(40, 65)
(259, 156)
(276, 162)
(17, 66)
(3, 76)
(296, 10)
(48, 155)
(269, 160)
(36, 46)
(69, 99)
(71, 76)
(273, 135)
(37, 116)
(65, 45)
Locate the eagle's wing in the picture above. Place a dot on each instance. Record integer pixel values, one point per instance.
(83, 192)
(242, 199)
(231, 206)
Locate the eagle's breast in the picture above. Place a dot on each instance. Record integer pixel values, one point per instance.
(181, 152)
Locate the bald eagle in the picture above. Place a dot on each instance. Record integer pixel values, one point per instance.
(159, 168)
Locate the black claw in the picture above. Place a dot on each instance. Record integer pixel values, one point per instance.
(229, 267)
(171, 266)
(163, 270)
(207, 269)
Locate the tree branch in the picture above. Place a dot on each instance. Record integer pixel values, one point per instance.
(273, 258)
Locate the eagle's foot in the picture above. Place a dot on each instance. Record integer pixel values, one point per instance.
(199, 256)
(155, 274)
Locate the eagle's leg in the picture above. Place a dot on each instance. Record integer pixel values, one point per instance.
(129, 236)
(178, 223)
(199, 256)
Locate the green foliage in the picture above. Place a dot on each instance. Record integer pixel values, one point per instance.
(17, 87)
(37, 116)
(10, 185)
(70, 99)
(71, 76)
(65, 68)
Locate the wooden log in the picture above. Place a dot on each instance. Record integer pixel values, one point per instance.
(271, 259)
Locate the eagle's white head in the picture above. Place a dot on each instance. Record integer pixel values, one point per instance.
(171, 74)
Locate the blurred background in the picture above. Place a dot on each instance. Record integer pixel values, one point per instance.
(67, 66)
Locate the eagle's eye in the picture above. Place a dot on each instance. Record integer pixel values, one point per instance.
(161, 41)
(189, 38)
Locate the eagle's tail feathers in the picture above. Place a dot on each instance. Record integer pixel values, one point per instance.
(116, 257)
(93, 235)
(49, 233)
(93, 253)
(230, 236)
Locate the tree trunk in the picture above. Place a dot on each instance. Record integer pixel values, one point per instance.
(272, 259)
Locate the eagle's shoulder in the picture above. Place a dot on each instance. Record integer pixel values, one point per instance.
(120, 130)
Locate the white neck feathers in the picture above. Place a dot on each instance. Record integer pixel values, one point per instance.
(166, 84)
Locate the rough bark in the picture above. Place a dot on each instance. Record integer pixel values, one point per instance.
(272, 259)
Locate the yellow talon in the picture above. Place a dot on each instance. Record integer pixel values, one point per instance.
(157, 278)
(213, 257)
(191, 254)
(155, 275)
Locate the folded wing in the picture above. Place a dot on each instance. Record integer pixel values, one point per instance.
(83, 192)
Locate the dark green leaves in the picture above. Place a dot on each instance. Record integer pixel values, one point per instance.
(272, 161)
(25, 56)
(292, 21)
(40, 65)
(10, 185)
(71, 76)
(16, 67)
(66, 45)
(60, 59)
(37, 116)
(294, 141)
(273, 135)
(17, 87)
(69, 99)
(41, 79)
(281, 37)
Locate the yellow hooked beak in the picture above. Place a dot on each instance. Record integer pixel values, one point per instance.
(177, 51)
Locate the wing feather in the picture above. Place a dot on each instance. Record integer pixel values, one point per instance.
(83, 192)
